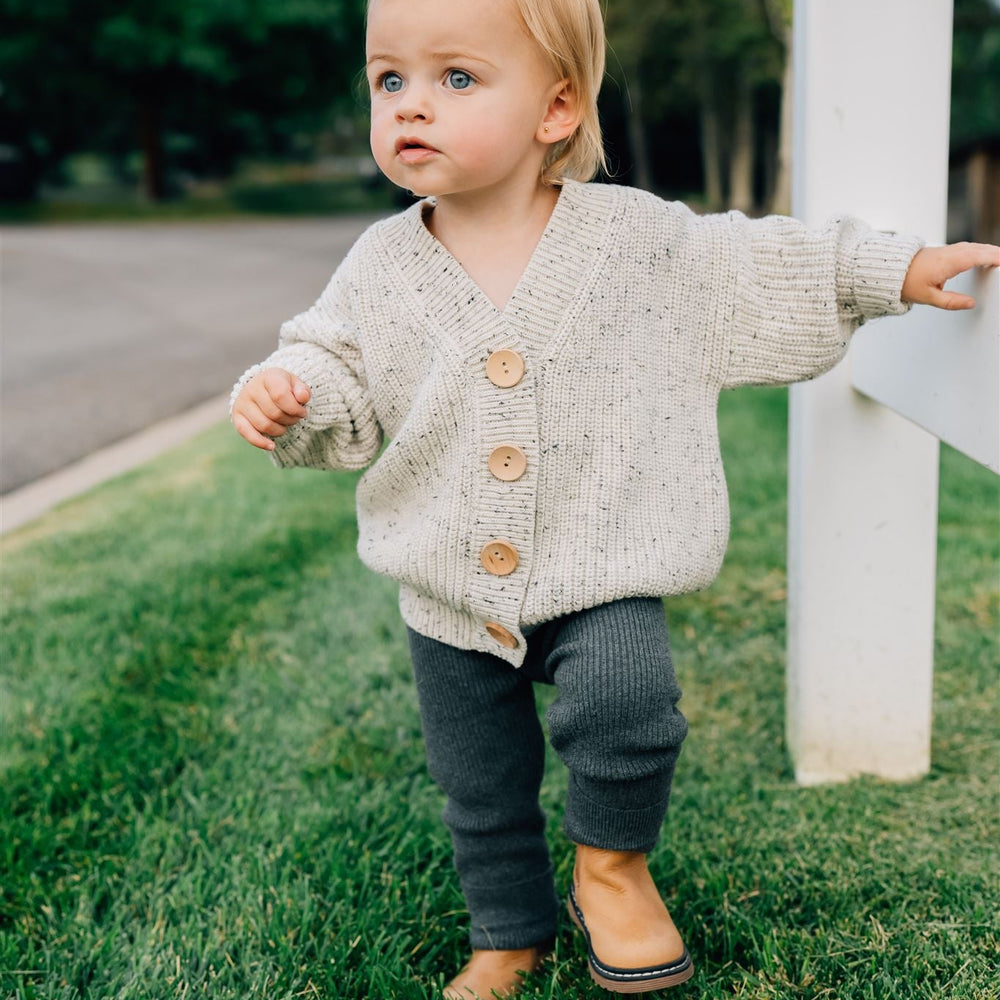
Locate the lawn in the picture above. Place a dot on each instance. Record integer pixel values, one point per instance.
(213, 784)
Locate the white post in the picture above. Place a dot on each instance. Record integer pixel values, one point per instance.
(872, 84)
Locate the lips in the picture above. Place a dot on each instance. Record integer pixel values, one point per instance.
(413, 150)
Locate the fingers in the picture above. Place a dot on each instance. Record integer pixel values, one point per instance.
(260, 420)
(301, 391)
(955, 260)
(281, 395)
(972, 255)
(269, 404)
(961, 257)
(932, 267)
(247, 431)
(950, 300)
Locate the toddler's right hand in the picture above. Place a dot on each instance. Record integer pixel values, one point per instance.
(268, 405)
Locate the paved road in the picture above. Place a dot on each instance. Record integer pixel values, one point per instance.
(106, 329)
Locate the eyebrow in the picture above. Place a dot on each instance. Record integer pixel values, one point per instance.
(439, 56)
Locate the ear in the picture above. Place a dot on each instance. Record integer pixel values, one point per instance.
(562, 114)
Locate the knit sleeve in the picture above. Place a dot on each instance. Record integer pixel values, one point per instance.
(800, 294)
(321, 347)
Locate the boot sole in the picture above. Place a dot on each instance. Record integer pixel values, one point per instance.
(616, 980)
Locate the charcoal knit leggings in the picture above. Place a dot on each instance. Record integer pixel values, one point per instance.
(615, 725)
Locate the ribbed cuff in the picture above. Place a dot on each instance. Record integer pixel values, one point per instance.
(617, 815)
(340, 430)
(291, 448)
(881, 261)
(521, 915)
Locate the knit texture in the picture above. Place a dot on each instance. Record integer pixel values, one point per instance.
(631, 316)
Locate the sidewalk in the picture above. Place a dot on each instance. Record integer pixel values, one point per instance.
(21, 506)
(109, 329)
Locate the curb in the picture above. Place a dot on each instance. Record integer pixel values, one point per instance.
(23, 505)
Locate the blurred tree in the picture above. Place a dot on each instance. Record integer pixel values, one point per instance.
(701, 98)
(975, 81)
(229, 76)
(778, 14)
(718, 58)
(629, 23)
(43, 104)
(975, 117)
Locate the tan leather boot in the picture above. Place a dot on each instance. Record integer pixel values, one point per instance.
(490, 974)
(632, 943)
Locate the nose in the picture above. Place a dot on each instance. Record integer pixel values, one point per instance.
(414, 105)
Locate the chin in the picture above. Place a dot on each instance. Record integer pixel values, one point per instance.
(417, 190)
(424, 190)
(412, 185)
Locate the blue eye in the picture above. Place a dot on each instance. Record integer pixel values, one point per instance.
(458, 79)
(391, 83)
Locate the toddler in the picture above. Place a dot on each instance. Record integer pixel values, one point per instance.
(544, 357)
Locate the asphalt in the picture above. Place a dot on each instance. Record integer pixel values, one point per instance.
(117, 339)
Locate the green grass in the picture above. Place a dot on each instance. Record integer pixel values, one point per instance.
(212, 781)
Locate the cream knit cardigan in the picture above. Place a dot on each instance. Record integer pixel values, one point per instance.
(631, 316)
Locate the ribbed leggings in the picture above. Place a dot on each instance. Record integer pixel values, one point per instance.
(614, 724)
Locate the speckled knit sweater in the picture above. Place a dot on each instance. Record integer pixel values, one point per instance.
(631, 316)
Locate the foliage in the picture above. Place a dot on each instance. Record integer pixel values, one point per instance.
(682, 46)
(212, 781)
(206, 80)
(697, 64)
(193, 85)
(975, 84)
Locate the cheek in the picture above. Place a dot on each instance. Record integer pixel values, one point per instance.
(486, 131)
(496, 137)
(380, 137)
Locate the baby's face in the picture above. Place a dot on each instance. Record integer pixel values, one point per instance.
(459, 90)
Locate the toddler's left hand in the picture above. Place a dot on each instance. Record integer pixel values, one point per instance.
(931, 267)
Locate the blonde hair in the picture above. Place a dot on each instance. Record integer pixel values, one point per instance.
(572, 34)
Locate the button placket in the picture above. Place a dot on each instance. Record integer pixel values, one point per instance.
(507, 462)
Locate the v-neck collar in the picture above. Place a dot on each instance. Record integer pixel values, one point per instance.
(568, 250)
(429, 205)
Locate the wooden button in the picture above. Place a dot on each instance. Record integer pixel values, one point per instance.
(499, 557)
(507, 462)
(505, 368)
(502, 635)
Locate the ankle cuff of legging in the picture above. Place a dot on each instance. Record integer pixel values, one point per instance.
(518, 915)
(601, 820)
